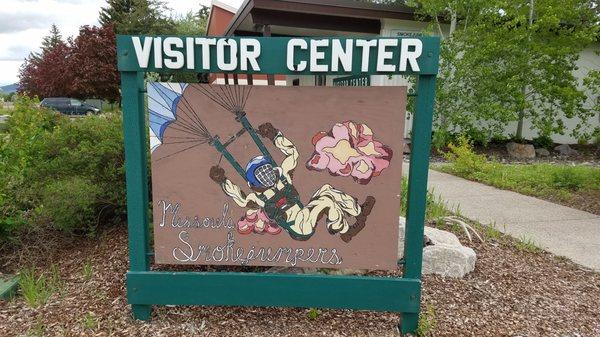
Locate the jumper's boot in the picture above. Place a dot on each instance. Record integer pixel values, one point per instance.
(361, 219)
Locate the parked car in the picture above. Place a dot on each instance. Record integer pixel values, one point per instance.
(69, 106)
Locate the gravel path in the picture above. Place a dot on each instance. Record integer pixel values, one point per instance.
(510, 293)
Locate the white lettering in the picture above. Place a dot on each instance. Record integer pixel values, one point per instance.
(158, 52)
(142, 52)
(366, 46)
(293, 43)
(175, 57)
(205, 46)
(189, 51)
(222, 44)
(339, 55)
(383, 55)
(316, 55)
(410, 56)
(249, 56)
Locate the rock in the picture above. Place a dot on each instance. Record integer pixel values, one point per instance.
(406, 149)
(566, 150)
(520, 151)
(445, 255)
(542, 152)
(448, 261)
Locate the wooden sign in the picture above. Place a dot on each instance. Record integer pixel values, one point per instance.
(276, 176)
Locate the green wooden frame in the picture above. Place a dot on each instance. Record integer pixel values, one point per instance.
(146, 288)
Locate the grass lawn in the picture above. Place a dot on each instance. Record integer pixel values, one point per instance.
(575, 186)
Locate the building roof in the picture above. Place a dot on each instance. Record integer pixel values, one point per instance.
(314, 17)
(223, 8)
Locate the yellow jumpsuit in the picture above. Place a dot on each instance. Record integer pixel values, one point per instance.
(335, 204)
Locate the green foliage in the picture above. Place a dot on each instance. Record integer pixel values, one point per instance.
(37, 330)
(427, 322)
(313, 313)
(525, 244)
(131, 17)
(37, 288)
(69, 203)
(89, 321)
(544, 142)
(543, 180)
(87, 270)
(435, 207)
(464, 161)
(62, 172)
(566, 178)
(503, 61)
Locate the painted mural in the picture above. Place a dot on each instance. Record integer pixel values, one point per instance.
(277, 176)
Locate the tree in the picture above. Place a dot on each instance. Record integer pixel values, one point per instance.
(137, 17)
(511, 60)
(52, 40)
(93, 62)
(193, 23)
(44, 74)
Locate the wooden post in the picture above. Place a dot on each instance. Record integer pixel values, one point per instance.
(417, 190)
(136, 174)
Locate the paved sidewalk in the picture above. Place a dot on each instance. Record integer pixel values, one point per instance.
(561, 230)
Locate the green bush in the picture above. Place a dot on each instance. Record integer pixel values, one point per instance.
(70, 204)
(61, 172)
(544, 142)
(464, 161)
(568, 178)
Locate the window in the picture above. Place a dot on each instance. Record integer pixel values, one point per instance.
(320, 80)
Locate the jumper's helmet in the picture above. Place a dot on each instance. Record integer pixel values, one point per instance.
(261, 173)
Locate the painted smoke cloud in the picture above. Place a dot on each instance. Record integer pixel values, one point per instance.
(350, 149)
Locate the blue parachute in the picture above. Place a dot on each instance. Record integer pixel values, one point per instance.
(163, 99)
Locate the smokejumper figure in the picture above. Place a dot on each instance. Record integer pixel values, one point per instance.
(274, 192)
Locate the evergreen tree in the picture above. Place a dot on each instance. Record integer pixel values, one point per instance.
(115, 12)
(52, 40)
(137, 17)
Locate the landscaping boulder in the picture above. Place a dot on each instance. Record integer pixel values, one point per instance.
(406, 143)
(520, 151)
(566, 150)
(444, 254)
(542, 152)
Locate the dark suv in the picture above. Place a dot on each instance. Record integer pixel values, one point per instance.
(69, 106)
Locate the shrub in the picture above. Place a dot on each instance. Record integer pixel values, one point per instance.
(464, 161)
(70, 204)
(62, 172)
(544, 142)
(564, 177)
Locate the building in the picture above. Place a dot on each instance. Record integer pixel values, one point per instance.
(344, 18)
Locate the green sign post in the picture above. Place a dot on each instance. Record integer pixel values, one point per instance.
(416, 56)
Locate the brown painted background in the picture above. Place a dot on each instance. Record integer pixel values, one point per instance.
(299, 112)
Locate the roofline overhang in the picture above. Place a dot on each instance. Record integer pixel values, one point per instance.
(335, 8)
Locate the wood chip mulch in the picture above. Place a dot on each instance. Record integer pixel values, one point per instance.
(510, 293)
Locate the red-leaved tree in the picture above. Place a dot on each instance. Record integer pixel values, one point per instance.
(93, 63)
(85, 67)
(46, 74)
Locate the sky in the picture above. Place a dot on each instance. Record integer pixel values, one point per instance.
(23, 24)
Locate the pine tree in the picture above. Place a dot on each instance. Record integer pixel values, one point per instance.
(137, 17)
(52, 40)
(115, 12)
